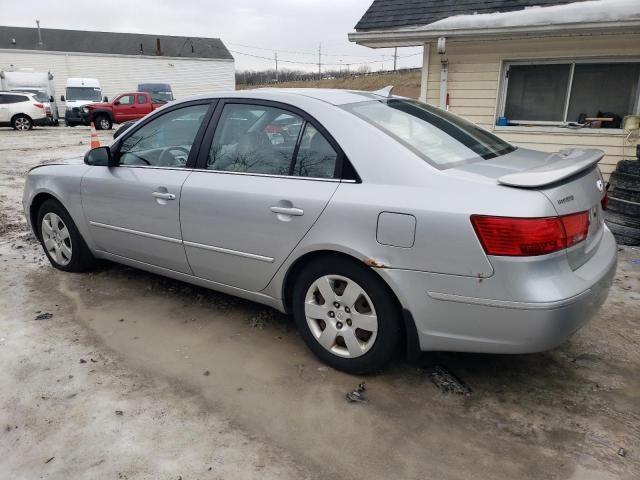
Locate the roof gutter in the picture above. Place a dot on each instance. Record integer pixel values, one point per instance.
(418, 35)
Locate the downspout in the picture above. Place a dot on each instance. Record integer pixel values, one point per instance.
(444, 73)
(425, 72)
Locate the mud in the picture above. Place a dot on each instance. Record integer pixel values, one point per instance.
(210, 386)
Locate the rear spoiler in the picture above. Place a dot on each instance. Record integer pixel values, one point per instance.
(558, 166)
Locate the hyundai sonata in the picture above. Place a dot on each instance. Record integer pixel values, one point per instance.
(379, 222)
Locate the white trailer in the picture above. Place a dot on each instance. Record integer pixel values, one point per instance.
(39, 83)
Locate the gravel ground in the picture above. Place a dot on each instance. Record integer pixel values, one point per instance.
(121, 374)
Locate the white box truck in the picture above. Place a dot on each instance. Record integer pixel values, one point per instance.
(80, 92)
(30, 81)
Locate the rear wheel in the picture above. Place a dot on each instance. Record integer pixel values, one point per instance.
(61, 240)
(103, 123)
(346, 315)
(21, 122)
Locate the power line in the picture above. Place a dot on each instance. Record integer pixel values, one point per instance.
(280, 60)
(307, 52)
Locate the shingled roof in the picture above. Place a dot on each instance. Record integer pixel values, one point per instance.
(401, 13)
(21, 38)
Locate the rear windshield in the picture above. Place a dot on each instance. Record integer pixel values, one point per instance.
(439, 137)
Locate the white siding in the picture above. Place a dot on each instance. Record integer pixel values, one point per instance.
(119, 73)
(474, 80)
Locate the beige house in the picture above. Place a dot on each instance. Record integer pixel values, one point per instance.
(541, 77)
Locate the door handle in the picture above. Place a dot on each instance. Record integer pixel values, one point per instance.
(296, 212)
(164, 195)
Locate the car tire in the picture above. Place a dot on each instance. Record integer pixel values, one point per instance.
(624, 207)
(62, 243)
(626, 181)
(625, 235)
(631, 167)
(623, 220)
(103, 123)
(625, 194)
(21, 122)
(345, 346)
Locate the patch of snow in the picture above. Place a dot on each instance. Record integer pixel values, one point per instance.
(595, 11)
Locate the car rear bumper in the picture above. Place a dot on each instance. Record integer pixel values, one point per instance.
(448, 319)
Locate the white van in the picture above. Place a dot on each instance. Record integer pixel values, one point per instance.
(40, 84)
(78, 93)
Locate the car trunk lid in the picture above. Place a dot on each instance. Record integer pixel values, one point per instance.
(570, 180)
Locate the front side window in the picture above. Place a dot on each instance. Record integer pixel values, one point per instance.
(572, 91)
(254, 139)
(437, 136)
(165, 141)
(126, 100)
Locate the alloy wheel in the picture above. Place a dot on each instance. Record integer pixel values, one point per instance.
(56, 239)
(341, 316)
(104, 124)
(22, 123)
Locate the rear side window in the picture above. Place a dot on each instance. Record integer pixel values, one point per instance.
(439, 137)
(11, 98)
(254, 139)
(142, 99)
(316, 157)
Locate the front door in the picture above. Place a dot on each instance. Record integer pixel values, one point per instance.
(124, 108)
(133, 209)
(258, 192)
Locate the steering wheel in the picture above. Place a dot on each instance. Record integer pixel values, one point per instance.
(169, 158)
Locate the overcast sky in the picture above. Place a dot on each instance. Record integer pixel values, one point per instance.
(293, 28)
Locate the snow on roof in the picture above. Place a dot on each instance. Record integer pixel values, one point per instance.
(596, 11)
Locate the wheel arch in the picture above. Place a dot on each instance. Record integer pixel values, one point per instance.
(34, 209)
(102, 111)
(21, 114)
(410, 343)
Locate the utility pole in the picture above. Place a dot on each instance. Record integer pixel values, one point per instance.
(276, 54)
(40, 42)
(320, 61)
(395, 58)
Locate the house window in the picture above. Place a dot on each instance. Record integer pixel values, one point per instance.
(571, 91)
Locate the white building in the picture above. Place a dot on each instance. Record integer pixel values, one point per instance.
(120, 61)
(543, 74)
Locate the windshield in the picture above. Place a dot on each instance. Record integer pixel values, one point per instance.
(40, 95)
(439, 137)
(84, 93)
(161, 97)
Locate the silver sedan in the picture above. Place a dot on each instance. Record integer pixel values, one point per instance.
(379, 222)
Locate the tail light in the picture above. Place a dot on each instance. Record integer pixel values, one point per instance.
(38, 105)
(604, 201)
(524, 237)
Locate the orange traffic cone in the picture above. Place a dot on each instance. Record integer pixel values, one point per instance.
(95, 141)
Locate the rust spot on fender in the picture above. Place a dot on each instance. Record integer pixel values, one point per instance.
(373, 263)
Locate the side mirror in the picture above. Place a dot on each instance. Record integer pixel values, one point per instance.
(51, 99)
(117, 102)
(105, 99)
(62, 98)
(100, 157)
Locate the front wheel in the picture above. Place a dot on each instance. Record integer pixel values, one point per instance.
(346, 315)
(64, 246)
(103, 123)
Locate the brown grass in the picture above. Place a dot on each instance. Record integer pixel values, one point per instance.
(405, 84)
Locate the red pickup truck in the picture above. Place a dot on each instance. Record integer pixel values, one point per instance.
(125, 107)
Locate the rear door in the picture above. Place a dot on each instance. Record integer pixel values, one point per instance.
(255, 194)
(133, 210)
